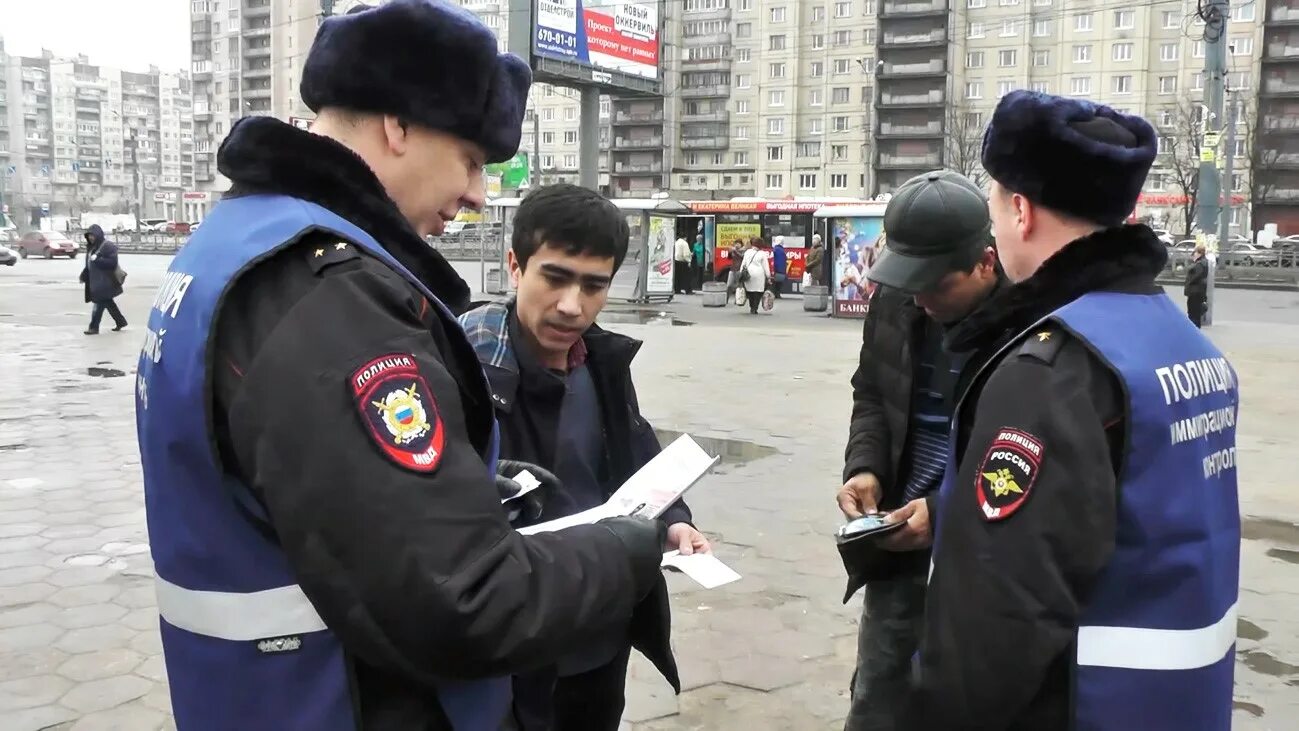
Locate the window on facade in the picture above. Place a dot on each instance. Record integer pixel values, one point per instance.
(776, 98)
(1156, 182)
(809, 149)
(742, 106)
(1166, 118)
(1009, 28)
(741, 158)
(1197, 81)
(692, 158)
(839, 124)
(1172, 19)
(807, 181)
(1007, 58)
(1168, 52)
(1082, 54)
(776, 43)
(1197, 49)
(1167, 84)
(818, 14)
(1238, 81)
(1243, 12)
(718, 158)
(570, 137)
(842, 38)
(1080, 85)
(1241, 46)
(744, 30)
(776, 71)
(570, 161)
(1123, 84)
(776, 126)
(840, 95)
(842, 66)
(839, 181)
(742, 55)
(1121, 52)
(775, 181)
(1082, 22)
(815, 127)
(814, 98)
(570, 114)
(975, 30)
(1041, 28)
(816, 69)
(974, 60)
(778, 15)
(743, 81)
(742, 132)
(842, 9)
(548, 114)
(1125, 19)
(818, 41)
(547, 161)
(775, 153)
(1041, 58)
(1041, 87)
(1004, 88)
(974, 90)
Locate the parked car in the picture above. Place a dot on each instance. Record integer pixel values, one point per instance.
(178, 227)
(152, 225)
(1243, 254)
(8, 257)
(1164, 236)
(48, 244)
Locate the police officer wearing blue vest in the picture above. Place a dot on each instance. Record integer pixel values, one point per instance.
(1086, 560)
(317, 435)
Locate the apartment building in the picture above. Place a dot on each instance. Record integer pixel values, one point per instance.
(1275, 192)
(247, 60)
(77, 137)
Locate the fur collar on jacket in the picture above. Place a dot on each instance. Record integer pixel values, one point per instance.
(1126, 258)
(266, 156)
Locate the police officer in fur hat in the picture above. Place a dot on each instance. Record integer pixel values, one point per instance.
(1087, 549)
(316, 434)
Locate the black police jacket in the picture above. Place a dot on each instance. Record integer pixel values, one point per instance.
(417, 571)
(1003, 603)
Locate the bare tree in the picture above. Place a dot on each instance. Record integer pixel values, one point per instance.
(964, 142)
(1180, 153)
(1262, 149)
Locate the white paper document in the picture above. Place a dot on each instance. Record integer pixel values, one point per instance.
(527, 483)
(706, 569)
(661, 482)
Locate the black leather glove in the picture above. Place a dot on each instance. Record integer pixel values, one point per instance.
(529, 508)
(644, 541)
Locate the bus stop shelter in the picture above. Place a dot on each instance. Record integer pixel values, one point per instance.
(646, 274)
(854, 234)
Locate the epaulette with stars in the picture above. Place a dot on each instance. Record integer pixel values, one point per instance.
(1043, 343)
(324, 255)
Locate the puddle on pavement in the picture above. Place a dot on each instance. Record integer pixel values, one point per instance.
(98, 372)
(732, 451)
(1265, 663)
(643, 317)
(1252, 709)
(1284, 554)
(1270, 529)
(1247, 630)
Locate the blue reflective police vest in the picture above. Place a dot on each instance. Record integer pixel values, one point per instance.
(245, 649)
(1154, 645)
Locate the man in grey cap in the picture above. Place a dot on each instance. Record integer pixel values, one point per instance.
(1086, 561)
(316, 433)
(937, 266)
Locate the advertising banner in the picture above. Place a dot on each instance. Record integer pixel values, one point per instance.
(856, 243)
(728, 235)
(658, 279)
(612, 35)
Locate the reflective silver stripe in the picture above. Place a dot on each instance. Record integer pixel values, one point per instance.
(257, 615)
(1136, 648)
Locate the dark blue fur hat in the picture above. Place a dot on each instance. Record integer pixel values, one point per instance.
(427, 61)
(1069, 155)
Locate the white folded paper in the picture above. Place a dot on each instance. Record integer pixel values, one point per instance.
(706, 569)
(527, 482)
(649, 492)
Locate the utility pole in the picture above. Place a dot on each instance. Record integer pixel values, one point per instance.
(588, 136)
(1224, 219)
(1215, 16)
(536, 147)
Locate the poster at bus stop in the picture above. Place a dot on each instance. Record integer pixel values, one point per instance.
(855, 243)
(658, 278)
(730, 234)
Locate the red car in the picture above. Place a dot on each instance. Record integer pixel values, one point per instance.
(48, 244)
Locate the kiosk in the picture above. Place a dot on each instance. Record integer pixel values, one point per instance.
(646, 274)
(854, 235)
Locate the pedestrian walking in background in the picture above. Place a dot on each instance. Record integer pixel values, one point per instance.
(683, 276)
(700, 260)
(779, 265)
(936, 269)
(1197, 286)
(816, 262)
(103, 280)
(733, 273)
(753, 274)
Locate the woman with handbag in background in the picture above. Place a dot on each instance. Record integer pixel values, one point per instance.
(753, 274)
(103, 279)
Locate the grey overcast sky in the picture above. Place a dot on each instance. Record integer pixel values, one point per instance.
(126, 34)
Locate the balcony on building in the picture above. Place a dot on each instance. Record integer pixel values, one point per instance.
(705, 92)
(201, 69)
(1279, 13)
(908, 154)
(256, 8)
(259, 69)
(257, 27)
(713, 115)
(916, 126)
(1283, 82)
(906, 63)
(901, 95)
(912, 34)
(1280, 123)
(1281, 46)
(645, 115)
(637, 143)
(707, 64)
(637, 168)
(912, 8)
(712, 142)
(1288, 159)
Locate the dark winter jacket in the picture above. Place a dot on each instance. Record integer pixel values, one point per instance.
(100, 273)
(528, 402)
(1197, 280)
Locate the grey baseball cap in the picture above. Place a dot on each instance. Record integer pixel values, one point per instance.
(936, 223)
